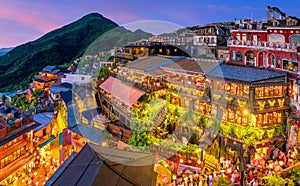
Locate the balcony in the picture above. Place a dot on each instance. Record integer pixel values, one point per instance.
(286, 47)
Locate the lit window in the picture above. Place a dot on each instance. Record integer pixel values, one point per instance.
(160, 50)
(244, 37)
(238, 37)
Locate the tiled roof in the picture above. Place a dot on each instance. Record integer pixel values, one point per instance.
(91, 166)
(145, 64)
(188, 65)
(244, 74)
(49, 68)
(44, 119)
(127, 94)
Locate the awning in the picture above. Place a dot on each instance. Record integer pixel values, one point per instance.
(46, 142)
(128, 94)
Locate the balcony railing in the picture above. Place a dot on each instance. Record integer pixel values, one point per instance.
(263, 45)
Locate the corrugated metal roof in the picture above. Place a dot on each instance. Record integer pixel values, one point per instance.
(243, 73)
(60, 170)
(128, 94)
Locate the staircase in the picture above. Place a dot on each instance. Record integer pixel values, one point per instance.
(159, 119)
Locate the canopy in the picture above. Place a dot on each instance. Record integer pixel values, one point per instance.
(128, 94)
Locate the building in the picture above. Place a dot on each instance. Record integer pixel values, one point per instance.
(212, 40)
(250, 102)
(76, 79)
(16, 140)
(96, 165)
(49, 76)
(144, 48)
(271, 45)
(249, 99)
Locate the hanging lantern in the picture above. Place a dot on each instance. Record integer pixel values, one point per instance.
(225, 139)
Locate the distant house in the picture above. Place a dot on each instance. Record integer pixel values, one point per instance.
(49, 76)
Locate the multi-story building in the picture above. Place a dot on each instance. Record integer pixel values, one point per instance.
(145, 48)
(273, 44)
(214, 37)
(48, 76)
(16, 140)
(247, 107)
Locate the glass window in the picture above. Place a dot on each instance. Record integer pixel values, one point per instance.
(278, 62)
(273, 60)
(244, 37)
(239, 57)
(238, 37)
(276, 38)
(259, 92)
(295, 39)
(277, 90)
(233, 55)
(290, 65)
(246, 91)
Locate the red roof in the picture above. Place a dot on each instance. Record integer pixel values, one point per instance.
(128, 94)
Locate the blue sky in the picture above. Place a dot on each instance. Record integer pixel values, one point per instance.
(26, 20)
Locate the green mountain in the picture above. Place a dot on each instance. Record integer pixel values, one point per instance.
(61, 46)
(116, 37)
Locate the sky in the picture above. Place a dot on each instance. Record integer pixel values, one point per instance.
(27, 20)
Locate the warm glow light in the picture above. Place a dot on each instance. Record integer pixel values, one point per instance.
(246, 112)
(35, 173)
(181, 160)
(37, 183)
(199, 162)
(280, 163)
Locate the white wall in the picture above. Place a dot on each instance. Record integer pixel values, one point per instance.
(76, 79)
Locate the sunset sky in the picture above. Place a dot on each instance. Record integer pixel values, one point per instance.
(26, 20)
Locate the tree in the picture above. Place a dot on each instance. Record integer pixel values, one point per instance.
(295, 175)
(276, 180)
(223, 181)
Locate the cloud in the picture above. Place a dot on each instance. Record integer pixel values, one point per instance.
(15, 33)
(31, 18)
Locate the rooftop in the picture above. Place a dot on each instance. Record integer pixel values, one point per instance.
(191, 66)
(244, 74)
(96, 165)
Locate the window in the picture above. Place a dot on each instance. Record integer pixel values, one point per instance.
(276, 38)
(233, 55)
(278, 62)
(239, 57)
(244, 37)
(290, 65)
(238, 37)
(160, 50)
(272, 60)
(259, 92)
(295, 39)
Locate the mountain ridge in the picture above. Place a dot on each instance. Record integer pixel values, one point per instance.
(58, 47)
